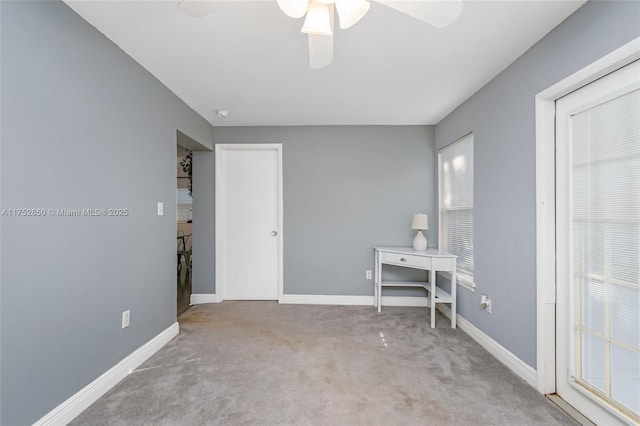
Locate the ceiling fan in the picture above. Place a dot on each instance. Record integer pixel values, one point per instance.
(318, 23)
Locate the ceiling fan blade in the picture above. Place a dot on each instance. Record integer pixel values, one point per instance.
(294, 8)
(438, 13)
(320, 50)
(351, 11)
(198, 8)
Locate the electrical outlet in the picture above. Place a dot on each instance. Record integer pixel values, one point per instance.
(160, 208)
(367, 274)
(485, 302)
(125, 318)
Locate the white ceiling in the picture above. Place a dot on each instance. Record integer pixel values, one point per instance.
(251, 59)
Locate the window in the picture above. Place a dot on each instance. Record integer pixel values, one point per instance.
(184, 203)
(455, 177)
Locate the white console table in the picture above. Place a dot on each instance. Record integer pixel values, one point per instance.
(432, 260)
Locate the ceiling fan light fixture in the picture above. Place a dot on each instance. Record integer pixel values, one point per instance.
(351, 11)
(318, 20)
(294, 8)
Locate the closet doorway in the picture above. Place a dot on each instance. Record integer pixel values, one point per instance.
(184, 237)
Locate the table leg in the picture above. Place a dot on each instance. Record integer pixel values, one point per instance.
(375, 293)
(432, 276)
(375, 278)
(454, 287)
(378, 280)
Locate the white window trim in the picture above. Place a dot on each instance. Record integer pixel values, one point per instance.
(463, 280)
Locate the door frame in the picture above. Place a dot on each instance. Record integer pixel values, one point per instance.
(219, 218)
(545, 111)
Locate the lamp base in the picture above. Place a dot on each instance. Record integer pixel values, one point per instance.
(420, 242)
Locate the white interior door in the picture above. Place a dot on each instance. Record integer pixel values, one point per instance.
(598, 248)
(249, 221)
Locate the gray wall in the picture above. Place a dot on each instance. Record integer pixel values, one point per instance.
(203, 257)
(502, 116)
(83, 126)
(346, 189)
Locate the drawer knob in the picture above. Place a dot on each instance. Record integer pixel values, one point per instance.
(403, 259)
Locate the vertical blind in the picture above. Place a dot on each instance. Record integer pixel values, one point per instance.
(605, 214)
(455, 176)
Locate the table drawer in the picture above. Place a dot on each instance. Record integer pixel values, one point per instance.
(407, 260)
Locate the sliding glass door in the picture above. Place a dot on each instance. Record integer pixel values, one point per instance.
(598, 247)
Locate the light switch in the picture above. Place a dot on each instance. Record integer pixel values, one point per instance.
(160, 208)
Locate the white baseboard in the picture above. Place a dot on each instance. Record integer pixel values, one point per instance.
(77, 403)
(316, 299)
(198, 299)
(515, 364)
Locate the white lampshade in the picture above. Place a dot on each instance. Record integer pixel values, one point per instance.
(318, 20)
(294, 8)
(351, 11)
(420, 221)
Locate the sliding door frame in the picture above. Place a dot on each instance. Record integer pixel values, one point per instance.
(545, 107)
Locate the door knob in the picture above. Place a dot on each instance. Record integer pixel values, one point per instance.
(274, 233)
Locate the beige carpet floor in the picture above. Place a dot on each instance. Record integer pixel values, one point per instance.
(261, 363)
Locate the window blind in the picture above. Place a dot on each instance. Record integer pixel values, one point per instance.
(184, 204)
(455, 176)
(605, 215)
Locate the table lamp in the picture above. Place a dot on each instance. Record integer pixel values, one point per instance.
(420, 222)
